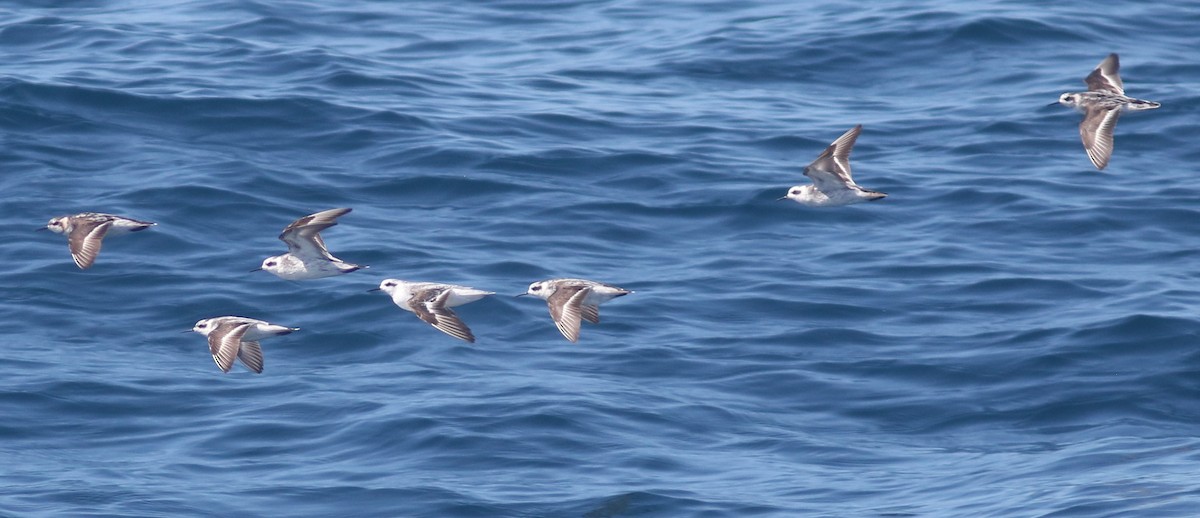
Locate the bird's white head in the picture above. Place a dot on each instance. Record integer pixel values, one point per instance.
(205, 326)
(796, 191)
(273, 264)
(541, 289)
(390, 286)
(1069, 99)
(59, 225)
(799, 193)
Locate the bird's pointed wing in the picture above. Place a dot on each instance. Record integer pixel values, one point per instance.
(827, 182)
(565, 309)
(430, 306)
(1096, 130)
(303, 237)
(325, 216)
(251, 355)
(225, 342)
(590, 312)
(85, 239)
(835, 160)
(306, 240)
(1105, 78)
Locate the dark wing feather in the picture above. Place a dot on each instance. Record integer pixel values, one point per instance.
(590, 312)
(303, 235)
(835, 159)
(325, 216)
(565, 309)
(225, 341)
(252, 356)
(430, 306)
(85, 240)
(1106, 77)
(1096, 130)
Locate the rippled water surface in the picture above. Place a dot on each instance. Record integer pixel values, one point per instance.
(1009, 333)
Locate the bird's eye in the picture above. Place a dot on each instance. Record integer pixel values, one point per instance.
(536, 288)
(390, 284)
(202, 326)
(272, 263)
(795, 192)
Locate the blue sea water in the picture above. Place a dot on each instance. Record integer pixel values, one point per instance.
(1009, 333)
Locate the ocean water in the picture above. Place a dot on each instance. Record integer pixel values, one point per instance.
(1009, 333)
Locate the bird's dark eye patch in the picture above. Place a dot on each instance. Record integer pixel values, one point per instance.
(390, 284)
(536, 288)
(795, 192)
(272, 263)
